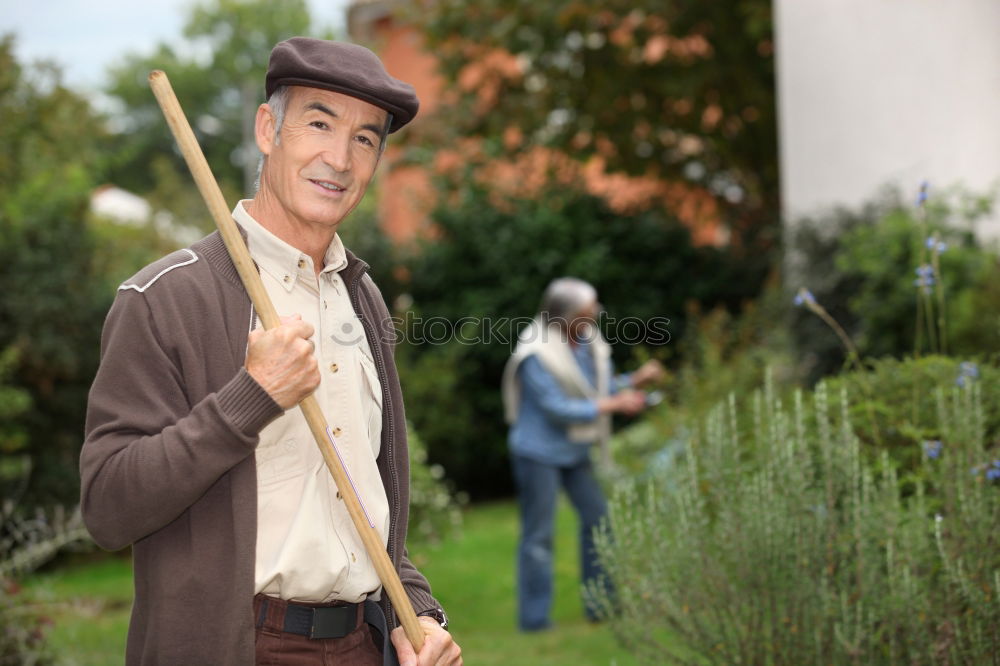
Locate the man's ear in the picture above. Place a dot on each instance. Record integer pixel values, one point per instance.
(264, 129)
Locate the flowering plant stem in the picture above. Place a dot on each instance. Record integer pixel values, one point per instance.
(853, 357)
(939, 292)
(852, 352)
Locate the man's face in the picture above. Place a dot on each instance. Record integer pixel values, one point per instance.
(317, 171)
(580, 325)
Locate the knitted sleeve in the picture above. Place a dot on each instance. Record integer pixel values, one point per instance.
(152, 448)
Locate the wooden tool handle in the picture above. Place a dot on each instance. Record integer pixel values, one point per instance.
(216, 203)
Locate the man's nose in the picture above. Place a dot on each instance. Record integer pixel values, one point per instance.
(337, 154)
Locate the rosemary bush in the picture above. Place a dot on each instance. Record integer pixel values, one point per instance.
(777, 542)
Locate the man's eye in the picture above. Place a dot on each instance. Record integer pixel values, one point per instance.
(366, 141)
(318, 124)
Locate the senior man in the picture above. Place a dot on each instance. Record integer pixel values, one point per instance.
(243, 548)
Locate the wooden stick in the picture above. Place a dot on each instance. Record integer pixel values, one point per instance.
(216, 203)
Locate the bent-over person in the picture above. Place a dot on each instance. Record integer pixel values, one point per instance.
(559, 392)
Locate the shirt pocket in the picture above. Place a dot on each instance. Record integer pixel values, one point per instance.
(372, 403)
(278, 462)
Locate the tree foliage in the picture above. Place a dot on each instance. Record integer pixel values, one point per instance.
(218, 76)
(52, 307)
(681, 89)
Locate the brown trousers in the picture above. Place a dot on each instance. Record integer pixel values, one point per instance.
(276, 647)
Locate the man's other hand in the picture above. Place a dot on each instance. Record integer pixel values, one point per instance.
(439, 649)
(650, 372)
(626, 401)
(282, 361)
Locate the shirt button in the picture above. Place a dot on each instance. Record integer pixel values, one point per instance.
(353, 559)
(336, 432)
(325, 305)
(339, 496)
(302, 263)
(288, 278)
(333, 367)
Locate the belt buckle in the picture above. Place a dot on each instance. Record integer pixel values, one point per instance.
(333, 621)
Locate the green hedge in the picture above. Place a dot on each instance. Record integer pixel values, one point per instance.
(779, 540)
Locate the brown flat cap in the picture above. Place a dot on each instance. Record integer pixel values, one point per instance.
(341, 67)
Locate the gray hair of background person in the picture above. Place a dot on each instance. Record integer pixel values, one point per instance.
(563, 299)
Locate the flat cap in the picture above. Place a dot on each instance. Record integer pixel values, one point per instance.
(341, 67)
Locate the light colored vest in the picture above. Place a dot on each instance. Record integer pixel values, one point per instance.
(552, 348)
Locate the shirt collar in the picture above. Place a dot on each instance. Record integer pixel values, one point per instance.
(281, 260)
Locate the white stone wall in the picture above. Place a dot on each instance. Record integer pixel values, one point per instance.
(886, 92)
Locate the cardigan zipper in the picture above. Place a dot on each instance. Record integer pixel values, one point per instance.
(383, 377)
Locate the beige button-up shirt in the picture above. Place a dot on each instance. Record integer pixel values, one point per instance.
(307, 547)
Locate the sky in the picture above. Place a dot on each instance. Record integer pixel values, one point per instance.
(86, 36)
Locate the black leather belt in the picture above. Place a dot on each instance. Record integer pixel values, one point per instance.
(316, 621)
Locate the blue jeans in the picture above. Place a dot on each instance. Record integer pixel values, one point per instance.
(538, 490)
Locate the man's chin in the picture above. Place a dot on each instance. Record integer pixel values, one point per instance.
(325, 215)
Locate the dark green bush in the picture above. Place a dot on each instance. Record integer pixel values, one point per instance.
(435, 512)
(894, 404)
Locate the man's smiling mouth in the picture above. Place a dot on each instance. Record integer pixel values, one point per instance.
(332, 187)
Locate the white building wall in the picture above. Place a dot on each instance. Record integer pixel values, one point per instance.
(886, 92)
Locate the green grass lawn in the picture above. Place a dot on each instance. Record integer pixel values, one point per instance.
(88, 605)
(472, 575)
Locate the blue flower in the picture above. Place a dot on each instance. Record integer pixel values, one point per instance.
(969, 369)
(967, 372)
(992, 470)
(922, 194)
(933, 244)
(803, 297)
(932, 449)
(925, 277)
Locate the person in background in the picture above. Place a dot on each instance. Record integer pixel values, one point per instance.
(194, 456)
(559, 392)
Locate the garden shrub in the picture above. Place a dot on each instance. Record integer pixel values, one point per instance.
(28, 540)
(894, 404)
(435, 512)
(776, 541)
(21, 630)
(861, 267)
(720, 353)
(21, 639)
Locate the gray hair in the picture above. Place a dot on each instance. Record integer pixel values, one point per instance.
(278, 101)
(564, 298)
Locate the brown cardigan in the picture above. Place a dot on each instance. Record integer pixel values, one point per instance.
(168, 462)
